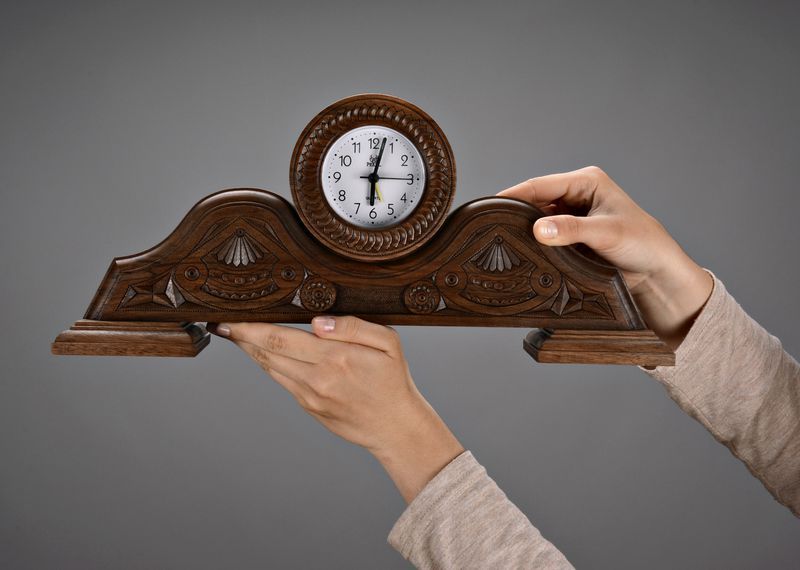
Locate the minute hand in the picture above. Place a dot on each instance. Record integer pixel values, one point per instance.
(373, 178)
(388, 177)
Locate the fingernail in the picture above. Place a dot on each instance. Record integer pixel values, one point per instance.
(327, 324)
(548, 229)
(220, 329)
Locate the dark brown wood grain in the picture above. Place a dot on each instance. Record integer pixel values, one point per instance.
(483, 269)
(105, 338)
(639, 347)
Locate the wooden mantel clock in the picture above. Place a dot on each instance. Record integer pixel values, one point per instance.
(372, 178)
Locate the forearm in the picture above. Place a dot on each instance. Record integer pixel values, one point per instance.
(418, 451)
(735, 378)
(461, 519)
(457, 516)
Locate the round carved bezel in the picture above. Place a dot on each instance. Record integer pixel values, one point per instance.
(367, 244)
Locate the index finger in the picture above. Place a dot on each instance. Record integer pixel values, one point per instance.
(358, 331)
(576, 188)
(276, 339)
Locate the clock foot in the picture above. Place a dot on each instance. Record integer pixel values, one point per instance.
(129, 338)
(638, 347)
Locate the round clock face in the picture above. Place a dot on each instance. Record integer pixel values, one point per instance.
(373, 177)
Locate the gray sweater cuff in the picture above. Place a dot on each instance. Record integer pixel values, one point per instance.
(462, 519)
(735, 378)
(440, 495)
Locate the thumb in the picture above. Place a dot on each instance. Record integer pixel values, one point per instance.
(598, 232)
(357, 331)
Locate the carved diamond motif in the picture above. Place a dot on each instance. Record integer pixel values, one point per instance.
(167, 293)
(570, 299)
(136, 295)
(174, 294)
(567, 300)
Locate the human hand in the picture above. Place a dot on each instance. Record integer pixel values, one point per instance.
(587, 206)
(352, 377)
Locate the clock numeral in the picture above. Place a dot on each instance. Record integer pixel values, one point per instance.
(337, 176)
(404, 158)
(410, 179)
(374, 143)
(391, 209)
(357, 147)
(342, 195)
(373, 214)
(346, 160)
(403, 198)
(358, 205)
(391, 147)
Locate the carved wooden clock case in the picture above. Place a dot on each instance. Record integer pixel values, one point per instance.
(372, 178)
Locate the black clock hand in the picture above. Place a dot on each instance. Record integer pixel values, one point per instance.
(371, 192)
(386, 178)
(380, 156)
(373, 177)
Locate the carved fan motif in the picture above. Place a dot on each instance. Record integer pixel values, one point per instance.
(497, 257)
(240, 249)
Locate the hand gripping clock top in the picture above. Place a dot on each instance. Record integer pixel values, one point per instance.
(372, 177)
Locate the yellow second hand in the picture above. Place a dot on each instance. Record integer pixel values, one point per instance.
(378, 191)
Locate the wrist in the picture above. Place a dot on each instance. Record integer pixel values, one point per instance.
(671, 297)
(418, 450)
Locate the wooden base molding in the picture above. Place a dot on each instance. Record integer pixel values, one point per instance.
(639, 347)
(131, 338)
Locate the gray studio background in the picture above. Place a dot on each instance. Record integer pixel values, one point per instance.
(116, 117)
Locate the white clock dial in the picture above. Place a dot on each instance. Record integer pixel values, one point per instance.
(363, 195)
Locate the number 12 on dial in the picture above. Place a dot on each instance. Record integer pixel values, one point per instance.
(373, 177)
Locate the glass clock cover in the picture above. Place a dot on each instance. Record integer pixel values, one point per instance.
(373, 177)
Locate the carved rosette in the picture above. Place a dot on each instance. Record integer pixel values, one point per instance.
(317, 294)
(362, 243)
(421, 297)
